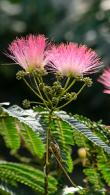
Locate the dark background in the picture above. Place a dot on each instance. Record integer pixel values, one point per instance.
(82, 21)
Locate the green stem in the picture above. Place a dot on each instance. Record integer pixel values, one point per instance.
(31, 88)
(84, 85)
(33, 102)
(71, 84)
(72, 98)
(66, 89)
(67, 82)
(46, 94)
(47, 163)
(40, 94)
(47, 155)
(65, 103)
(10, 64)
(63, 169)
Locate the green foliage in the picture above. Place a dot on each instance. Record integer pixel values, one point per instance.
(5, 190)
(104, 166)
(80, 126)
(62, 139)
(97, 127)
(32, 141)
(79, 139)
(93, 177)
(9, 131)
(29, 127)
(12, 129)
(28, 117)
(26, 175)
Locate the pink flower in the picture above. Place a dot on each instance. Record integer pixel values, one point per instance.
(29, 52)
(71, 59)
(105, 80)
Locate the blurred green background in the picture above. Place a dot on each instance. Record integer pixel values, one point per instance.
(82, 21)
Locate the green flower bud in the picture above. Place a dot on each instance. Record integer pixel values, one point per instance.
(69, 96)
(79, 78)
(39, 72)
(54, 100)
(59, 76)
(88, 81)
(57, 88)
(47, 89)
(41, 86)
(73, 95)
(21, 74)
(26, 103)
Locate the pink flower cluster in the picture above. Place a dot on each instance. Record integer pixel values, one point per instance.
(29, 52)
(71, 59)
(105, 80)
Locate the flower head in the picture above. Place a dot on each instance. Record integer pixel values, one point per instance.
(71, 59)
(105, 80)
(29, 52)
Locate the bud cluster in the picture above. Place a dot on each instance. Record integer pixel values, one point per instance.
(21, 74)
(69, 96)
(39, 72)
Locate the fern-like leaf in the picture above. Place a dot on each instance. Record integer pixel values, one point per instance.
(61, 137)
(19, 122)
(103, 164)
(28, 117)
(75, 124)
(97, 127)
(9, 131)
(26, 175)
(32, 140)
(93, 177)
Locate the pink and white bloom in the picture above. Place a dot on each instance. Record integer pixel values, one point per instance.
(72, 59)
(105, 80)
(29, 52)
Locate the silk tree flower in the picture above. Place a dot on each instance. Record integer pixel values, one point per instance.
(72, 59)
(29, 52)
(105, 80)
